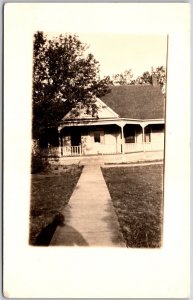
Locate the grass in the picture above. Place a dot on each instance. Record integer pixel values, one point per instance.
(137, 195)
(50, 192)
(134, 162)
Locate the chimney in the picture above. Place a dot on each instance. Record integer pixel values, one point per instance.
(154, 80)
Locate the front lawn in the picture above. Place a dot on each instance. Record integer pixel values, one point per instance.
(137, 195)
(50, 192)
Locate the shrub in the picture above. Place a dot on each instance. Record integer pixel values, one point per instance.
(38, 163)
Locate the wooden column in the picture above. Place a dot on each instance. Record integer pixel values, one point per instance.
(122, 139)
(121, 125)
(143, 135)
(143, 138)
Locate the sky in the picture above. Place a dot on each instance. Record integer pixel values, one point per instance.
(117, 53)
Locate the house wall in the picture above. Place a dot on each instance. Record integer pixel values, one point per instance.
(157, 137)
(87, 141)
(110, 139)
(112, 142)
(157, 134)
(138, 137)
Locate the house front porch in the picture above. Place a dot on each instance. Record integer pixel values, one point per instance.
(109, 137)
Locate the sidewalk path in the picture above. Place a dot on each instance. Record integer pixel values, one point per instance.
(90, 216)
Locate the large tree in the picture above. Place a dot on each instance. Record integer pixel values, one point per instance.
(64, 78)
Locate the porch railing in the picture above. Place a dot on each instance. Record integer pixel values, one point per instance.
(138, 147)
(62, 151)
(133, 147)
(110, 148)
(103, 149)
(71, 150)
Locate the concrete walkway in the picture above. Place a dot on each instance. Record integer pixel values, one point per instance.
(90, 216)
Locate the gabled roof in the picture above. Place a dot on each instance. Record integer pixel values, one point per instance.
(136, 101)
(104, 111)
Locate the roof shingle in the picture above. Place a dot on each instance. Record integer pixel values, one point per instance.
(136, 101)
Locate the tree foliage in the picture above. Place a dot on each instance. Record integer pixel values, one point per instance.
(64, 77)
(159, 72)
(145, 78)
(124, 78)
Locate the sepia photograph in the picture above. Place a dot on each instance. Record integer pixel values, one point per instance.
(98, 140)
(96, 195)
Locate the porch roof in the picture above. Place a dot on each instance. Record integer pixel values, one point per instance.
(109, 121)
(132, 104)
(136, 101)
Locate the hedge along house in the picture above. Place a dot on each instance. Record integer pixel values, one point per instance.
(130, 119)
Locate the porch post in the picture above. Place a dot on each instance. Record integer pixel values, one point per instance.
(122, 139)
(143, 135)
(143, 138)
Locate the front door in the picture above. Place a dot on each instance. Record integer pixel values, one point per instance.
(98, 141)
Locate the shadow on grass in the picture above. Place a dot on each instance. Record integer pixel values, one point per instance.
(46, 234)
(68, 235)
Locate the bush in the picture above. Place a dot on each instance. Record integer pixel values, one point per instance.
(38, 163)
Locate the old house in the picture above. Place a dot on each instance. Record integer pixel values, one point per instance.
(130, 119)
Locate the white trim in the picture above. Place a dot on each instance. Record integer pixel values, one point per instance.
(108, 121)
(131, 121)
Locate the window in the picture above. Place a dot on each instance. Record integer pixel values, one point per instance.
(97, 137)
